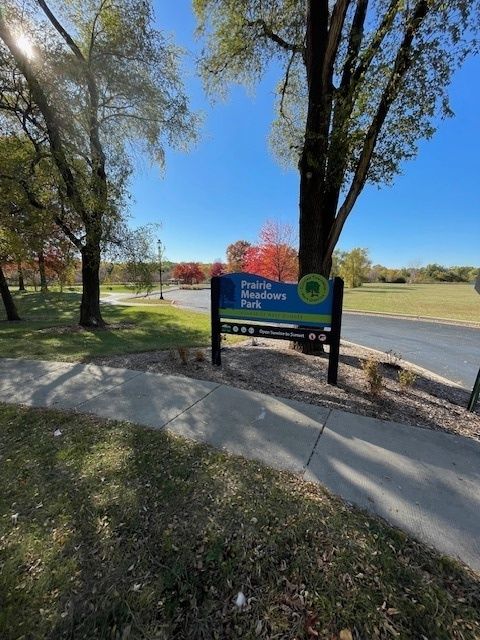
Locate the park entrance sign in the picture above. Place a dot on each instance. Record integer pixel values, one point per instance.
(251, 305)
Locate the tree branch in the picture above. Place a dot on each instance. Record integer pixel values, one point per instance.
(344, 101)
(52, 126)
(68, 232)
(62, 31)
(285, 84)
(380, 34)
(354, 42)
(337, 21)
(269, 33)
(98, 181)
(402, 64)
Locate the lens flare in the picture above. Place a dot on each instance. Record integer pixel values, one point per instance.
(26, 46)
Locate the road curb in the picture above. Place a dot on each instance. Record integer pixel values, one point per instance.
(405, 316)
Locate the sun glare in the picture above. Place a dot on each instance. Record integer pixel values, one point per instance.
(25, 45)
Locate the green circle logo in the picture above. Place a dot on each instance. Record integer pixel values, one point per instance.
(313, 288)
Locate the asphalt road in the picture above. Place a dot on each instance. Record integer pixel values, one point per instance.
(448, 350)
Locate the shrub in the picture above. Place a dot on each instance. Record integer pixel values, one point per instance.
(406, 378)
(393, 359)
(183, 354)
(371, 368)
(199, 356)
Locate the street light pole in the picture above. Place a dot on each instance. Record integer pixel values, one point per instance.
(160, 267)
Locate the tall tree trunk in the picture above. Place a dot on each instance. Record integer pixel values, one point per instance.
(10, 308)
(316, 219)
(41, 269)
(21, 281)
(90, 315)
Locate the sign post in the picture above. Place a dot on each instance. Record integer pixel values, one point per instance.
(254, 306)
(475, 393)
(336, 330)
(216, 335)
(476, 387)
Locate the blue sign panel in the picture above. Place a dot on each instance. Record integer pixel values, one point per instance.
(244, 296)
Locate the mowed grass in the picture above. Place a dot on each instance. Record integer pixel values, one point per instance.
(110, 531)
(49, 329)
(449, 301)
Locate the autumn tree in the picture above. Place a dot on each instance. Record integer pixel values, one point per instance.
(277, 241)
(60, 262)
(362, 83)
(188, 272)
(354, 266)
(236, 253)
(275, 255)
(218, 268)
(252, 262)
(88, 82)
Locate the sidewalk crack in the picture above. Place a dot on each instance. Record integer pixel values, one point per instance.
(191, 406)
(317, 440)
(97, 395)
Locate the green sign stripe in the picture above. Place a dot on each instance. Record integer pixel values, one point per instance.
(276, 315)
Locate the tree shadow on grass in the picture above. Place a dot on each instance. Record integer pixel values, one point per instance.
(380, 289)
(144, 535)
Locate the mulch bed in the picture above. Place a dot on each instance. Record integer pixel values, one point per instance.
(271, 367)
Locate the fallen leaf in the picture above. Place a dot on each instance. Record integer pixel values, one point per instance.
(57, 433)
(345, 634)
(240, 600)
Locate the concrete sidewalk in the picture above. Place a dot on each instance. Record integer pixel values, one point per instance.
(425, 482)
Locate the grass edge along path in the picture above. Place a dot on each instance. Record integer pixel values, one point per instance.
(108, 530)
(49, 329)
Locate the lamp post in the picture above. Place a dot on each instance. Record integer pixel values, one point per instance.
(159, 242)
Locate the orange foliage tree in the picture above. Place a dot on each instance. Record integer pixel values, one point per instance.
(275, 256)
(188, 272)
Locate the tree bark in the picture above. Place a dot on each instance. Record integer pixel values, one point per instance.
(21, 281)
(90, 314)
(41, 269)
(9, 304)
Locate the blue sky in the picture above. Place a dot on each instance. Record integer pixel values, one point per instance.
(226, 186)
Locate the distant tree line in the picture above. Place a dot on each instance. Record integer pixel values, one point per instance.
(423, 275)
(274, 256)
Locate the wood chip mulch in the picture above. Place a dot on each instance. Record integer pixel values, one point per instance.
(271, 367)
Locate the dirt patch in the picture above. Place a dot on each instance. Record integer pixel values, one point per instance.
(271, 367)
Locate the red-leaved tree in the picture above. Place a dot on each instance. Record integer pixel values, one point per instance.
(218, 269)
(275, 256)
(188, 272)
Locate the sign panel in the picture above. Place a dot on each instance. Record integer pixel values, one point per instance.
(245, 297)
(241, 304)
(281, 333)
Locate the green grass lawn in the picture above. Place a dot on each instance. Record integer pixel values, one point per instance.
(450, 301)
(39, 335)
(122, 288)
(111, 531)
